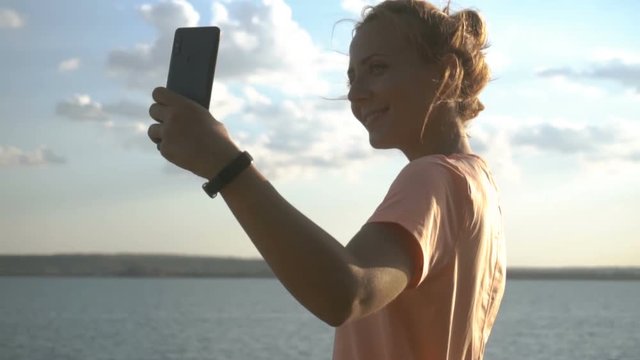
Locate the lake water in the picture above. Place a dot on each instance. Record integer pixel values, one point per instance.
(240, 319)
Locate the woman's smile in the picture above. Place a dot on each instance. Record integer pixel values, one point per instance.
(374, 115)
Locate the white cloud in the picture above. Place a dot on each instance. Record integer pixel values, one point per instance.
(304, 138)
(145, 65)
(127, 108)
(168, 15)
(506, 139)
(492, 140)
(224, 103)
(246, 42)
(254, 97)
(13, 156)
(624, 145)
(575, 139)
(289, 138)
(11, 19)
(621, 70)
(69, 65)
(625, 73)
(508, 142)
(81, 107)
(127, 128)
(609, 54)
(256, 47)
(133, 131)
(563, 83)
(142, 67)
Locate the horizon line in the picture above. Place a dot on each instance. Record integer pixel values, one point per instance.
(252, 258)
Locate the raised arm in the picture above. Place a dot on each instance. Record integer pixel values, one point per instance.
(334, 282)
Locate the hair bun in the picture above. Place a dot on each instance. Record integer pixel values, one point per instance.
(469, 108)
(472, 25)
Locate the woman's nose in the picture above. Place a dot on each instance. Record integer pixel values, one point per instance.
(358, 90)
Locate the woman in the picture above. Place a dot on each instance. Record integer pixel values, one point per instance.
(424, 277)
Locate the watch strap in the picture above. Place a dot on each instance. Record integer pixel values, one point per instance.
(227, 174)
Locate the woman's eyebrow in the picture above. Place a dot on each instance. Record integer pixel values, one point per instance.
(364, 60)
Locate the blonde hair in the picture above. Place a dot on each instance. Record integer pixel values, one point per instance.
(436, 35)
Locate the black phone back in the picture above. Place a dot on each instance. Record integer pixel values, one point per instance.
(193, 62)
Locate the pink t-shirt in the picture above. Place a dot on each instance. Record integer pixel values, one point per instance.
(451, 206)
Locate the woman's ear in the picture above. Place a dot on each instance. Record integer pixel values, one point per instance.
(448, 88)
(451, 78)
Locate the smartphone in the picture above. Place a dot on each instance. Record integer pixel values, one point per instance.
(193, 62)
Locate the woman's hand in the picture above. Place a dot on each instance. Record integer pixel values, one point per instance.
(188, 136)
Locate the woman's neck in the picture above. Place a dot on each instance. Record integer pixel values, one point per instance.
(461, 147)
(443, 135)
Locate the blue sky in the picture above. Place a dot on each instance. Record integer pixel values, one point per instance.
(78, 174)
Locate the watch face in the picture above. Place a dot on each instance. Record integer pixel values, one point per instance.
(212, 193)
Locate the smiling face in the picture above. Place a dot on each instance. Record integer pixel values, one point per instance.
(391, 87)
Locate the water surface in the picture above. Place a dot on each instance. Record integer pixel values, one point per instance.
(239, 319)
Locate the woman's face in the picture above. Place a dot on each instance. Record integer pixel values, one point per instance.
(391, 88)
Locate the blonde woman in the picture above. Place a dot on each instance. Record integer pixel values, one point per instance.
(425, 275)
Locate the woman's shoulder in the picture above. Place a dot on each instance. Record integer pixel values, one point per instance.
(430, 173)
(426, 166)
(454, 171)
(456, 164)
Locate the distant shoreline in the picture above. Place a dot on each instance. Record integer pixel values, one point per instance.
(174, 266)
(576, 273)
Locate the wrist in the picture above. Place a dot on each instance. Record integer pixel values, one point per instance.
(227, 174)
(221, 159)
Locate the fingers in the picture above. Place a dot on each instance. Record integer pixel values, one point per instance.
(155, 133)
(159, 112)
(164, 96)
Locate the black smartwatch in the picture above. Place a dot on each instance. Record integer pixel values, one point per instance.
(227, 174)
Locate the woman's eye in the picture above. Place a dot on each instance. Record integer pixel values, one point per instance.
(374, 69)
(377, 68)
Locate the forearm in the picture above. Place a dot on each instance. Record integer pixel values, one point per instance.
(311, 264)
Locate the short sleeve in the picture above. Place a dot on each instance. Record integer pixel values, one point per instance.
(421, 201)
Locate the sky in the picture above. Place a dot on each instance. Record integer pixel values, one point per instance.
(78, 174)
